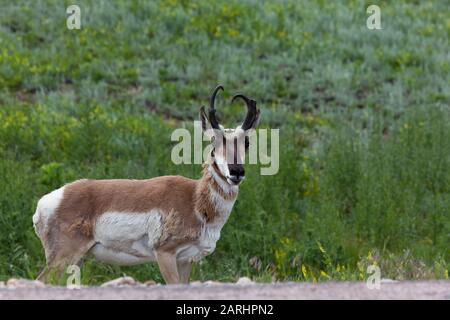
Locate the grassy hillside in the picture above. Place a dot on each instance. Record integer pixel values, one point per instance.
(364, 120)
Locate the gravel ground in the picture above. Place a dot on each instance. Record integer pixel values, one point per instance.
(330, 290)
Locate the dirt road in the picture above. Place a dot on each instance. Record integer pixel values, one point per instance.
(331, 290)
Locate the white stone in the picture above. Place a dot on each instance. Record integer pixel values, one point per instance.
(387, 281)
(24, 283)
(244, 281)
(150, 283)
(121, 282)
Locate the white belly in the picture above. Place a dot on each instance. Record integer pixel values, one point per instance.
(121, 258)
(127, 238)
(130, 238)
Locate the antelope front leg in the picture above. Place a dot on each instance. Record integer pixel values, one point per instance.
(184, 270)
(167, 262)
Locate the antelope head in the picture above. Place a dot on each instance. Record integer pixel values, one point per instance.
(229, 145)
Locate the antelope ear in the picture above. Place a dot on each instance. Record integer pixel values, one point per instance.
(206, 124)
(204, 119)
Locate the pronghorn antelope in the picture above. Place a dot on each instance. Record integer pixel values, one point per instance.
(172, 220)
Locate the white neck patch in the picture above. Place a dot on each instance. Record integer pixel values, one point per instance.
(225, 186)
(223, 207)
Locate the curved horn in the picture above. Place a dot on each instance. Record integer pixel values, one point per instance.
(252, 111)
(212, 110)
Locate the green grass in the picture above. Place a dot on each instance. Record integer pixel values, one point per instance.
(364, 124)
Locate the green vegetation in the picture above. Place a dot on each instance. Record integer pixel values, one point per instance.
(363, 115)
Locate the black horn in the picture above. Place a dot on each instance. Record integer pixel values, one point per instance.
(212, 111)
(252, 112)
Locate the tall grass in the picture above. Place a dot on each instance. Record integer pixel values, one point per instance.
(360, 191)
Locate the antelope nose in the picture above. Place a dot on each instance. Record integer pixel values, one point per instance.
(237, 174)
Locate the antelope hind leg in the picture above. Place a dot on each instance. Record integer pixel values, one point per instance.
(63, 255)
